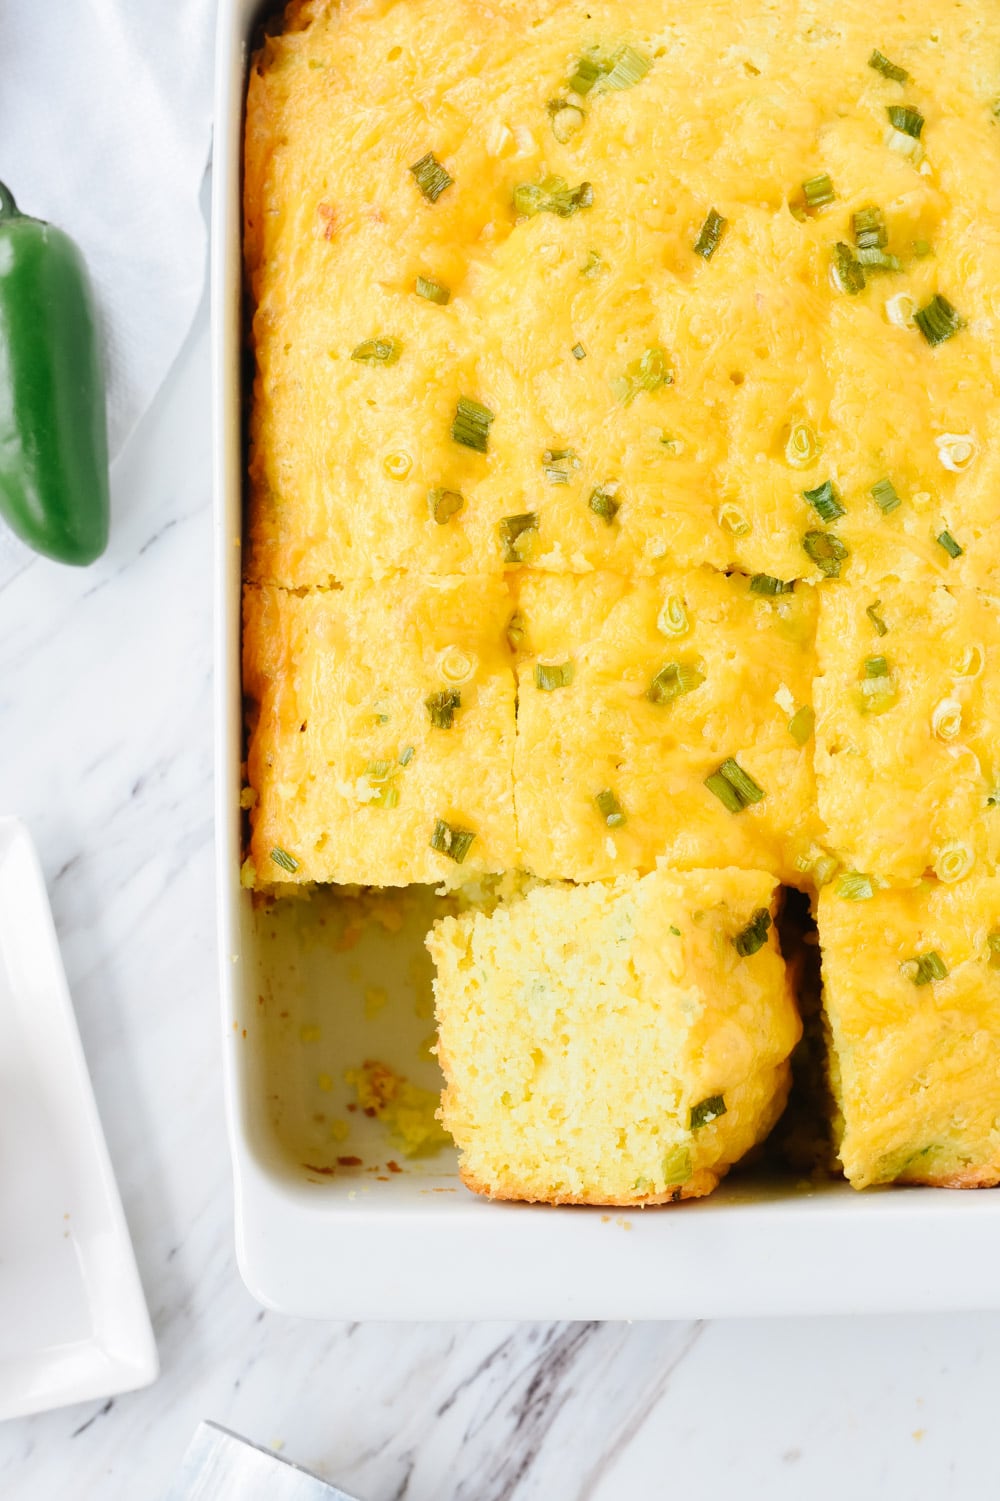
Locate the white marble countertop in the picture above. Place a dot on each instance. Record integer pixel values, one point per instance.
(105, 682)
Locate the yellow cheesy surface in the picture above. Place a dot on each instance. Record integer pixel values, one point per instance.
(667, 680)
(351, 769)
(908, 730)
(912, 994)
(763, 378)
(609, 1043)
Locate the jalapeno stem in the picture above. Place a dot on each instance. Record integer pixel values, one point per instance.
(8, 208)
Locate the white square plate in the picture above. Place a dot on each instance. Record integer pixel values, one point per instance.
(73, 1320)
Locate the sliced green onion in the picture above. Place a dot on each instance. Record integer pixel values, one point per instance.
(855, 886)
(825, 501)
(551, 196)
(471, 424)
(826, 551)
(874, 259)
(610, 809)
(431, 177)
(765, 583)
(441, 707)
(377, 351)
(602, 502)
(877, 689)
(752, 938)
(883, 492)
(676, 1167)
(622, 70)
(953, 862)
(802, 724)
(924, 969)
(384, 792)
(566, 119)
(406, 755)
(628, 67)
(558, 464)
(905, 118)
(284, 859)
(553, 675)
(951, 547)
(515, 533)
(733, 786)
(588, 70)
(938, 320)
(674, 681)
(881, 629)
(434, 291)
(646, 374)
(516, 631)
(578, 352)
(848, 274)
(818, 191)
(593, 265)
(869, 229)
(455, 843)
(710, 235)
(802, 446)
(672, 619)
(708, 1110)
(733, 519)
(881, 64)
(444, 504)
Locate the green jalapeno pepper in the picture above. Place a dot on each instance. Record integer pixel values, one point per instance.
(53, 424)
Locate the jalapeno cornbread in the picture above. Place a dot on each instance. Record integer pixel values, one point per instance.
(646, 359)
(615, 1043)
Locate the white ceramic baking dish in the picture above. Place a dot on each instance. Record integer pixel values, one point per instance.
(300, 1005)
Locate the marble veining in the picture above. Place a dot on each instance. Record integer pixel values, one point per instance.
(105, 693)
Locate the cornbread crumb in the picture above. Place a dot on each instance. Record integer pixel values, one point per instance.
(407, 1111)
(607, 1044)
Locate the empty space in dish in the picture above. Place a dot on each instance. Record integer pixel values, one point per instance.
(336, 982)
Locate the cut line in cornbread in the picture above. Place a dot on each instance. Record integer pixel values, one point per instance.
(613, 1044)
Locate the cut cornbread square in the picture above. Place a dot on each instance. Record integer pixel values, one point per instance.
(613, 1044)
(908, 729)
(382, 732)
(912, 996)
(664, 684)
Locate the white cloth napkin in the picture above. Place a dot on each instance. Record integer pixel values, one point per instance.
(105, 129)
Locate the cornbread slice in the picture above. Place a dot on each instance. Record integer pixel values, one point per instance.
(632, 694)
(908, 729)
(912, 994)
(382, 732)
(613, 1044)
(624, 242)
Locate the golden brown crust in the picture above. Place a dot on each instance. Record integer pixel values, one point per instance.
(702, 1183)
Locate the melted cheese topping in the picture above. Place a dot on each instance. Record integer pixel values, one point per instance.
(757, 338)
(916, 1065)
